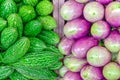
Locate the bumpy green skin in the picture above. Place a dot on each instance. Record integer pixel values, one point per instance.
(30, 2)
(3, 24)
(36, 45)
(33, 28)
(44, 7)
(20, 4)
(17, 76)
(27, 13)
(43, 59)
(16, 51)
(1, 1)
(8, 37)
(1, 57)
(56, 66)
(48, 22)
(14, 20)
(50, 37)
(5, 71)
(35, 73)
(7, 7)
(54, 49)
(17, 0)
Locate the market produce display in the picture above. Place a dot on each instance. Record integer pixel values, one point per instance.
(28, 43)
(91, 44)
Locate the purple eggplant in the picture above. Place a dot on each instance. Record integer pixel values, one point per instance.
(71, 10)
(91, 73)
(104, 1)
(93, 11)
(74, 64)
(112, 42)
(63, 70)
(100, 30)
(72, 76)
(111, 71)
(80, 48)
(76, 28)
(98, 56)
(65, 46)
(112, 13)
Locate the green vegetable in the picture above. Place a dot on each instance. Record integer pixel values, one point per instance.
(17, 50)
(30, 2)
(56, 66)
(7, 7)
(50, 37)
(17, 1)
(53, 49)
(36, 45)
(48, 22)
(17, 76)
(35, 73)
(32, 28)
(20, 5)
(1, 1)
(44, 7)
(43, 59)
(8, 37)
(1, 57)
(3, 24)
(14, 20)
(27, 13)
(5, 71)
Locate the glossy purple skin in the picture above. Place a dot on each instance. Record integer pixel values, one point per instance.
(93, 11)
(72, 76)
(80, 48)
(91, 73)
(71, 10)
(76, 28)
(104, 1)
(65, 46)
(112, 42)
(100, 30)
(111, 71)
(112, 13)
(74, 64)
(98, 56)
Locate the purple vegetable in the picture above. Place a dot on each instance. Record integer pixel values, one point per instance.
(100, 29)
(74, 64)
(72, 76)
(111, 71)
(93, 11)
(82, 1)
(91, 73)
(76, 28)
(81, 46)
(98, 56)
(118, 58)
(71, 10)
(63, 71)
(104, 1)
(112, 42)
(112, 13)
(117, 0)
(65, 46)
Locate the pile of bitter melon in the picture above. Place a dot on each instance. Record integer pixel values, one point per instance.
(27, 40)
